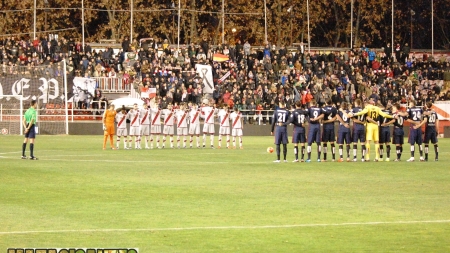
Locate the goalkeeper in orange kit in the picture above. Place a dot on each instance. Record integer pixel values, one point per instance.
(108, 126)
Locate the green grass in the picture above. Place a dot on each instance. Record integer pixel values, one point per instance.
(78, 195)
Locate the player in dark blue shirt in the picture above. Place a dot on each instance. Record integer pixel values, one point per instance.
(431, 122)
(385, 134)
(344, 131)
(280, 119)
(398, 135)
(329, 117)
(359, 130)
(314, 116)
(298, 119)
(415, 134)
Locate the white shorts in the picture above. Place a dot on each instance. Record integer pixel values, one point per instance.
(145, 130)
(182, 131)
(134, 130)
(168, 130)
(122, 132)
(208, 128)
(236, 132)
(194, 129)
(224, 130)
(156, 129)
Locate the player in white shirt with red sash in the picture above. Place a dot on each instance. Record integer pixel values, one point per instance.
(182, 126)
(194, 124)
(224, 118)
(156, 123)
(168, 116)
(133, 116)
(121, 119)
(144, 117)
(208, 124)
(236, 127)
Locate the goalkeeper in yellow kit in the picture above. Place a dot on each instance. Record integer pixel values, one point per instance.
(372, 129)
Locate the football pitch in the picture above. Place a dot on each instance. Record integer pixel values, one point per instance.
(218, 200)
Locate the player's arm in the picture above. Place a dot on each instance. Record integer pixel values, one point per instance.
(330, 120)
(339, 118)
(362, 112)
(388, 123)
(318, 117)
(380, 112)
(104, 119)
(437, 125)
(421, 123)
(273, 122)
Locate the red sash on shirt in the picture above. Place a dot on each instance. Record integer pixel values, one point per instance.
(168, 117)
(238, 117)
(210, 114)
(120, 122)
(155, 118)
(224, 118)
(181, 120)
(195, 117)
(145, 117)
(135, 118)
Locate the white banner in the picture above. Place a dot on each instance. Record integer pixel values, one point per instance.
(442, 108)
(85, 84)
(205, 73)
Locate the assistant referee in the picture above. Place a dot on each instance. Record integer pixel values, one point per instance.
(29, 121)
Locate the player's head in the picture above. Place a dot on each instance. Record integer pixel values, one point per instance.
(145, 105)
(329, 101)
(33, 103)
(371, 101)
(344, 106)
(412, 103)
(282, 104)
(170, 106)
(298, 104)
(225, 106)
(135, 106)
(429, 105)
(313, 102)
(182, 106)
(236, 109)
(396, 107)
(357, 102)
(111, 106)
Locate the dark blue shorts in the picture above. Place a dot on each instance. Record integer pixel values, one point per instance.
(398, 136)
(385, 135)
(281, 136)
(31, 134)
(430, 136)
(344, 134)
(314, 134)
(359, 133)
(415, 136)
(298, 137)
(328, 135)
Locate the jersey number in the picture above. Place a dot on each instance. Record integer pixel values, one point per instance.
(281, 117)
(301, 119)
(416, 116)
(432, 118)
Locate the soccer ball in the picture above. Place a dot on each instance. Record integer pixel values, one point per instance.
(269, 150)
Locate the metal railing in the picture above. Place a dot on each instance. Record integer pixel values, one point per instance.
(112, 84)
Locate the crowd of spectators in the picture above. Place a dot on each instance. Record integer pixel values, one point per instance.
(259, 77)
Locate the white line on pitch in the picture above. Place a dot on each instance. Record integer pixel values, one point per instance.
(106, 230)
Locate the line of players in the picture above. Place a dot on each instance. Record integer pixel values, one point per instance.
(150, 124)
(370, 123)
